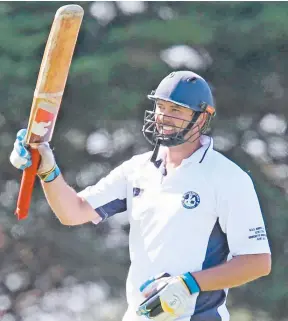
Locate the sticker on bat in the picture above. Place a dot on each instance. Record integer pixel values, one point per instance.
(42, 122)
(40, 129)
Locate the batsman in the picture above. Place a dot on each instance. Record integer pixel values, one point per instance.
(196, 227)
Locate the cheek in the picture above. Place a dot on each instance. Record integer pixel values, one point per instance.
(181, 123)
(157, 119)
(157, 122)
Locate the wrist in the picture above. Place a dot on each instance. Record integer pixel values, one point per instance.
(191, 283)
(50, 175)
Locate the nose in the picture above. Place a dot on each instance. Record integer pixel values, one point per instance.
(160, 115)
(163, 116)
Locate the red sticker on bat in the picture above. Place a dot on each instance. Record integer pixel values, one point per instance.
(43, 116)
(42, 123)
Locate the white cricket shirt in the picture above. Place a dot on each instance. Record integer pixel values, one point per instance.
(194, 218)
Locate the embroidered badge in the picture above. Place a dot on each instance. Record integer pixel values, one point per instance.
(137, 191)
(190, 200)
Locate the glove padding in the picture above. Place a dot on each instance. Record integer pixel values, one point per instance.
(21, 158)
(168, 297)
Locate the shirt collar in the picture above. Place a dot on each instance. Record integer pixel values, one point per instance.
(198, 156)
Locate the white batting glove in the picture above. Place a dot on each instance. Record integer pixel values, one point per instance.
(21, 158)
(168, 298)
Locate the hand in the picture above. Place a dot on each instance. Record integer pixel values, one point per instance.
(21, 158)
(168, 297)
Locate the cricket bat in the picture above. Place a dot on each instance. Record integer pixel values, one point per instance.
(48, 94)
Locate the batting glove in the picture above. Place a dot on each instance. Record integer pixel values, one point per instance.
(168, 297)
(21, 158)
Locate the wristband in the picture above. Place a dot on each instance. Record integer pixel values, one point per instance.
(191, 283)
(51, 175)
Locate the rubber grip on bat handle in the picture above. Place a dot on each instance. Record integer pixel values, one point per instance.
(27, 185)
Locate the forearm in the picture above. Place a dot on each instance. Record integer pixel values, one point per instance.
(238, 271)
(66, 204)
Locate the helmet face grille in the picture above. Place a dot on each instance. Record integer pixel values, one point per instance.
(178, 137)
(188, 90)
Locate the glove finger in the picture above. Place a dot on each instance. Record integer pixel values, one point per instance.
(21, 150)
(150, 303)
(154, 287)
(143, 308)
(153, 303)
(156, 311)
(21, 134)
(153, 279)
(28, 164)
(18, 161)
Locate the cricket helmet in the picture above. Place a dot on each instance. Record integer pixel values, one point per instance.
(186, 89)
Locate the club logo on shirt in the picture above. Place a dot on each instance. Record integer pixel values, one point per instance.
(137, 191)
(190, 200)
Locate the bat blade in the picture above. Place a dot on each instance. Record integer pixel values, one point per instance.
(48, 93)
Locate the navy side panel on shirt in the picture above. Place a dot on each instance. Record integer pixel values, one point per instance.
(209, 301)
(112, 208)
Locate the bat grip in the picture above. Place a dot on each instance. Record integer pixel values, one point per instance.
(27, 185)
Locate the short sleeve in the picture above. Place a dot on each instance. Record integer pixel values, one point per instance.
(109, 196)
(240, 216)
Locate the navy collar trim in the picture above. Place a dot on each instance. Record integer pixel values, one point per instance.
(204, 154)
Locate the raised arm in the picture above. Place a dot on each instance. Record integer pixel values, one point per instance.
(70, 208)
(95, 203)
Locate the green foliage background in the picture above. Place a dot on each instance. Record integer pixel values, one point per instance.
(114, 66)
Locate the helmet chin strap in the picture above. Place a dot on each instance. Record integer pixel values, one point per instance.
(155, 151)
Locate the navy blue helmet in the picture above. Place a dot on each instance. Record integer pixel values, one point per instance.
(186, 89)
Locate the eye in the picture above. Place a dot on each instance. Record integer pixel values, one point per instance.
(175, 110)
(159, 107)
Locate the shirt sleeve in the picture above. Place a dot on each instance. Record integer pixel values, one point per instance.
(109, 196)
(241, 218)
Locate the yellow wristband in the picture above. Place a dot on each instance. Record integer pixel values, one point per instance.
(50, 175)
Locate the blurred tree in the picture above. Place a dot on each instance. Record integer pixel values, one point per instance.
(118, 60)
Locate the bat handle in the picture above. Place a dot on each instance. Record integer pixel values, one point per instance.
(27, 185)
